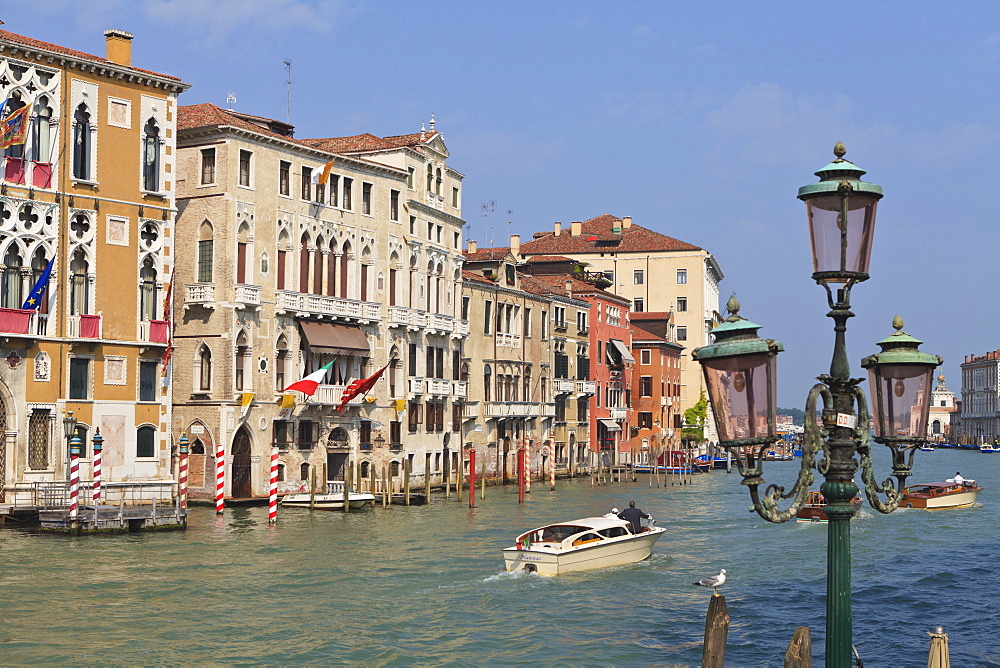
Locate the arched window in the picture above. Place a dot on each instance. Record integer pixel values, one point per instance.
(145, 441)
(279, 363)
(281, 473)
(205, 369)
(11, 296)
(41, 145)
(14, 150)
(197, 448)
(439, 182)
(344, 266)
(282, 259)
(487, 381)
(147, 290)
(151, 156)
(242, 350)
(430, 178)
(38, 264)
(79, 301)
(206, 249)
(318, 268)
(81, 143)
(304, 264)
(304, 471)
(331, 269)
(364, 470)
(242, 247)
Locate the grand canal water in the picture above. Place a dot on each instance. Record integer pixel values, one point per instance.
(424, 585)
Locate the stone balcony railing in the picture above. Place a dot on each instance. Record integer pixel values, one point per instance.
(619, 413)
(563, 386)
(153, 331)
(320, 305)
(84, 326)
(586, 387)
(438, 387)
(248, 295)
(202, 294)
(416, 385)
(332, 395)
(460, 388)
(505, 340)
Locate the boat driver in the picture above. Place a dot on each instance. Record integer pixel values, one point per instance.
(632, 515)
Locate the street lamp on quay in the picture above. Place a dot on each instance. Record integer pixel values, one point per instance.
(740, 371)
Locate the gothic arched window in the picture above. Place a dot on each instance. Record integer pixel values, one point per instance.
(81, 143)
(151, 156)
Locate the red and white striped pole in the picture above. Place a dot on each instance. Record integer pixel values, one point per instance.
(272, 503)
(472, 478)
(182, 472)
(520, 475)
(98, 449)
(74, 481)
(220, 478)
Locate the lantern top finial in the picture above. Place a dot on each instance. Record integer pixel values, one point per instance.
(900, 347)
(839, 150)
(733, 306)
(897, 323)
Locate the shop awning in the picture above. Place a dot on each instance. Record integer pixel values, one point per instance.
(331, 339)
(623, 349)
(611, 425)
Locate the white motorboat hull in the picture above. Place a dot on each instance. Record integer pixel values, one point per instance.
(549, 559)
(961, 500)
(326, 501)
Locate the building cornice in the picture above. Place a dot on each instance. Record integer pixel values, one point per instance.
(423, 208)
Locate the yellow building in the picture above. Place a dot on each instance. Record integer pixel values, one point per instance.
(91, 188)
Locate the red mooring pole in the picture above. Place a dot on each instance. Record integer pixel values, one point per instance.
(520, 475)
(472, 478)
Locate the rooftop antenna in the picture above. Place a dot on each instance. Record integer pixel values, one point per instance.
(288, 83)
(490, 212)
(510, 216)
(231, 100)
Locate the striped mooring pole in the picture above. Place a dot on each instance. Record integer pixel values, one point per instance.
(98, 450)
(182, 472)
(220, 478)
(272, 502)
(74, 480)
(472, 478)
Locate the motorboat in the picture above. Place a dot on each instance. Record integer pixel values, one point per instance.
(935, 495)
(986, 447)
(814, 511)
(580, 545)
(926, 448)
(331, 499)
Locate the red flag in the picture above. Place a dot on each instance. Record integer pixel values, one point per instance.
(168, 306)
(360, 386)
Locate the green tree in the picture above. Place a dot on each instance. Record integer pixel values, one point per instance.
(696, 416)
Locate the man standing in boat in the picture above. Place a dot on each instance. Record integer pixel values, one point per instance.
(632, 515)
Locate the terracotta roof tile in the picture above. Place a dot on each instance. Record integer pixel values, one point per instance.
(486, 254)
(596, 233)
(650, 315)
(79, 55)
(192, 116)
(368, 142)
(639, 334)
(550, 258)
(476, 278)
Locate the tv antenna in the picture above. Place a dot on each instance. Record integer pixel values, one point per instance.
(510, 217)
(490, 214)
(231, 100)
(288, 84)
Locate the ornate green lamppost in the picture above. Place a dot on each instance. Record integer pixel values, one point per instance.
(740, 373)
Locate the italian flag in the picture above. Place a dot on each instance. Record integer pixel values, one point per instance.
(309, 384)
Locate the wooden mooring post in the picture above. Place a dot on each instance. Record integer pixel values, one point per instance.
(347, 488)
(406, 481)
(713, 653)
(799, 652)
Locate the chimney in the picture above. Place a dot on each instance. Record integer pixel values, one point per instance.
(515, 244)
(576, 228)
(569, 287)
(472, 246)
(557, 228)
(119, 45)
(626, 222)
(616, 227)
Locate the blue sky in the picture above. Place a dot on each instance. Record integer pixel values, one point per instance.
(700, 120)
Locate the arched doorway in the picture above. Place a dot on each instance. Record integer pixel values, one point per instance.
(3, 451)
(241, 473)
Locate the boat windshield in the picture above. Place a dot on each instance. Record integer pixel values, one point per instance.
(557, 532)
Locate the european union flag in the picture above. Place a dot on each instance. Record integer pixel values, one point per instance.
(35, 296)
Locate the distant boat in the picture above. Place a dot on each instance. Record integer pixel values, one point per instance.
(815, 503)
(946, 445)
(333, 499)
(926, 448)
(989, 448)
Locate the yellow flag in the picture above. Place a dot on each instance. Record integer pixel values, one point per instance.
(400, 405)
(325, 175)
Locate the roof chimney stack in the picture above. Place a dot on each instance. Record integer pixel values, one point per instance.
(576, 228)
(515, 244)
(626, 222)
(119, 46)
(557, 228)
(472, 246)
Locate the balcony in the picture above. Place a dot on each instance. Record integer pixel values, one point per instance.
(248, 296)
(460, 388)
(586, 387)
(153, 331)
(416, 385)
(619, 413)
(461, 328)
(418, 320)
(320, 305)
(435, 201)
(508, 340)
(441, 324)
(84, 326)
(332, 395)
(398, 316)
(200, 294)
(547, 410)
(15, 320)
(513, 409)
(470, 411)
(440, 388)
(563, 386)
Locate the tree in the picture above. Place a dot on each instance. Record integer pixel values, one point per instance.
(696, 416)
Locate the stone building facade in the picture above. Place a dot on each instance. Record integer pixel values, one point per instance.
(90, 192)
(304, 253)
(980, 411)
(656, 419)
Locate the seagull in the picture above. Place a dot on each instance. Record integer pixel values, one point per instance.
(714, 582)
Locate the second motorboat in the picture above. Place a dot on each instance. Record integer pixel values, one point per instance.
(331, 499)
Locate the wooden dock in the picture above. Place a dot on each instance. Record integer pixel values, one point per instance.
(114, 519)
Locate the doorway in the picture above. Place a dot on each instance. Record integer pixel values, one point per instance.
(241, 471)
